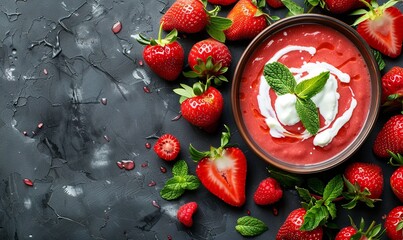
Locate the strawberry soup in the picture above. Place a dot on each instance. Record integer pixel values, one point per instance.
(343, 104)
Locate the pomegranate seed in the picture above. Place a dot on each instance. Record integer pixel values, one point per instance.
(141, 62)
(120, 164)
(45, 71)
(28, 182)
(126, 164)
(248, 212)
(169, 237)
(144, 164)
(163, 169)
(148, 145)
(40, 125)
(117, 27)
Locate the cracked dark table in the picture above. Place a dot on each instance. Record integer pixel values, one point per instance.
(76, 98)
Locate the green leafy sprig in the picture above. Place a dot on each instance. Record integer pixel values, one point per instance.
(180, 182)
(249, 226)
(320, 210)
(354, 194)
(281, 80)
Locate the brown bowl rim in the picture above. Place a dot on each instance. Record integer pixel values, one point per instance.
(375, 77)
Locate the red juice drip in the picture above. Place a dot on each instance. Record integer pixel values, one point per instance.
(148, 145)
(144, 164)
(141, 62)
(107, 138)
(126, 164)
(155, 204)
(40, 125)
(275, 211)
(146, 89)
(28, 182)
(117, 27)
(248, 212)
(152, 183)
(163, 169)
(104, 101)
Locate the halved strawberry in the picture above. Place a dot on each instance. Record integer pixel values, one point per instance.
(222, 171)
(381, 27)
(167, 147)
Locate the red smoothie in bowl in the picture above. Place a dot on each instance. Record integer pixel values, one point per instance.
(270, 121)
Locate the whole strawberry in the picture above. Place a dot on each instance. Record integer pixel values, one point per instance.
(381, 27)
(364, 183)
(275, 3)
(164, 56)
(209, 59)
(248, 20)
(394, 223)
(343, 6)
(191, 16)
(396, 179)
(390, 138)
(268, 192)
(290, 230)
(358, 232)
(167, 147)
(222, 171)
(185, 213)
(222, 2)
(201, 105)
(392, 86)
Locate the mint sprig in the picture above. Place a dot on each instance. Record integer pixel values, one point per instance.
(249, 226)
(180, 182)
(281, 80)
(320, 210)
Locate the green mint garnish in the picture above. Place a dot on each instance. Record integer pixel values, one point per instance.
(180, 182)
(379, 60)
(281, 80)
(319, 210)
(249, 226)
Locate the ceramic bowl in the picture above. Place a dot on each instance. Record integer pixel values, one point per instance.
(251, 63)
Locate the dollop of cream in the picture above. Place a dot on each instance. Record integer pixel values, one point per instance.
(283, 113)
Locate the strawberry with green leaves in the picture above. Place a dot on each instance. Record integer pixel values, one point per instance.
(248, 20)
(392, 87)
(390, 138)
(291, 228)
(191, 16)
(209, 59)
(396, 179)
(394, 223)
(222, 171)
(353, 231)
(381, 27)
(165, 56)
(201, 105)
(364, 182)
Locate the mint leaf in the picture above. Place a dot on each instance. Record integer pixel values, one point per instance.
(249, 226)
(331, 208)
(310, 87)
(333, 189)
(192, 182)
(279, 78)
(180, 168)
(316, 185)
(304, 194)
(315, 216)
(173, 188)
(180, 182)
(308, 113)
(379, 59)
(293, 8)
(286, 179)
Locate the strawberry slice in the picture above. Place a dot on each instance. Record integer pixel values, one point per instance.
(222, 171)
(381, 27)
(167, 147)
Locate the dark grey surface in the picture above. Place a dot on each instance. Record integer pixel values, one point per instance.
(79, 192)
